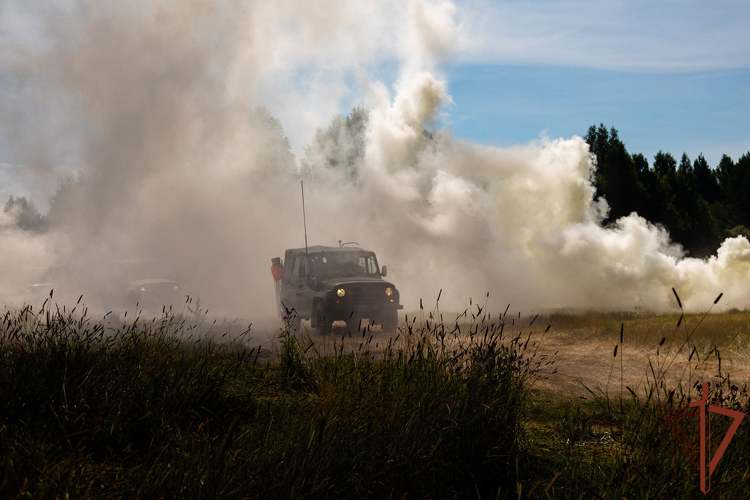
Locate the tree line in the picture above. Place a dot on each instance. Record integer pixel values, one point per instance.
(700, 206)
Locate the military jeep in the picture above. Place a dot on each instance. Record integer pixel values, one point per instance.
(327, 284)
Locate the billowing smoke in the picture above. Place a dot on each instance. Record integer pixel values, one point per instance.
(163, 107)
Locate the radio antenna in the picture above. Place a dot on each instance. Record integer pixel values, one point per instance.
(304, 221)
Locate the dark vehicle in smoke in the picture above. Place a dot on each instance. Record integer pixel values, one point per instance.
(152, 294)
(327, 284)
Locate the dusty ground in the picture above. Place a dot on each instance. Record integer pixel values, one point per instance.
(590, 363)
(582, 348)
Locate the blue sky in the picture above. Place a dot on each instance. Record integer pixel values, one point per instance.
(670, 75)
(694, 112)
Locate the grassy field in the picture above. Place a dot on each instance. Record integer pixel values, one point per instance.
(104, 408)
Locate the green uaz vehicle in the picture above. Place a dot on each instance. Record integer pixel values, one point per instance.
(327, 284)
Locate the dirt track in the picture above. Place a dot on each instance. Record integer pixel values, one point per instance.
(586, 360)
(591, 363)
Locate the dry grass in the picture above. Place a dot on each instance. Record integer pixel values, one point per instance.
(470, 407)
(610, 438)
(647, 329)
(93, 409)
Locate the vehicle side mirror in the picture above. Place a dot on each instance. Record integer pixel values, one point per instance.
(384, 270)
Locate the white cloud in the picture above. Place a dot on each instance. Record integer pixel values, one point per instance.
(633, 35)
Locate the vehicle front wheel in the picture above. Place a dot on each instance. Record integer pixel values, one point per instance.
(389, 321)
(322, 322)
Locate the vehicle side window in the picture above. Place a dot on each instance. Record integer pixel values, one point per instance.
(299, 267)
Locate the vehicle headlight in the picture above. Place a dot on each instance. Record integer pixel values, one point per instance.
(340, 292)
(143, 288)
(389, 291)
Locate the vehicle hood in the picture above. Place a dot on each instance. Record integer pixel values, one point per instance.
(358, 281)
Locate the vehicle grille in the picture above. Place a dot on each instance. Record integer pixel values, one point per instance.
(368, 293)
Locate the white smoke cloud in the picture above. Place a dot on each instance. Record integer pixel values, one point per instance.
(22, 255)
(181, 167)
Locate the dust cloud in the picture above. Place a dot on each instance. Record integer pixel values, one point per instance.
(162, 106)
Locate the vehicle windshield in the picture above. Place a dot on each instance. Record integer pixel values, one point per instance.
(343, 264)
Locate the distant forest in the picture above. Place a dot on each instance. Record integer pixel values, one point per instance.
(700, 206)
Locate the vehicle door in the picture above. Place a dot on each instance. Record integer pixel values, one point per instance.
(298, 294)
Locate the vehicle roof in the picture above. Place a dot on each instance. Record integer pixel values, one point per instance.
(320, 248)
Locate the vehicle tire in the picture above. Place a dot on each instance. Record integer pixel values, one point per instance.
(389, 321)
(322, 322)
